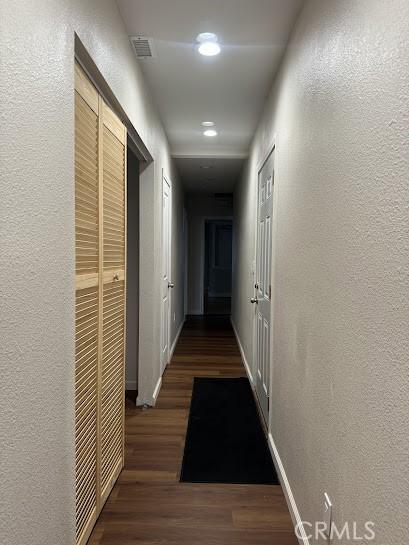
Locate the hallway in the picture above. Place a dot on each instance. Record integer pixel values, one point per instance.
(148, 505)
(204, 209)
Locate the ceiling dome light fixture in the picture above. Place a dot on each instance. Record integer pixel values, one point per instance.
(208, 124)
(210, 133)
(208, 44)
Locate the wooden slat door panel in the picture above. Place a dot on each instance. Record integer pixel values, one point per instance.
(112, 384)
(114, 202)
(100, 238)
(86, 188)
(86, 354)
(87, 303)
(113, 357)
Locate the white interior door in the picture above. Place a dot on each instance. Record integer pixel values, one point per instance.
(262, 299)
(166, 262)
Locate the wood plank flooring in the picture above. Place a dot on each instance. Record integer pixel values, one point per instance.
(148, 505)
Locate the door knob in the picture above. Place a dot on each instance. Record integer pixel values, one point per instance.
(254, 300)
(116, 276)
(170, 285)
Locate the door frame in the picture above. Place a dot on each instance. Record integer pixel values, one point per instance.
(137, 147)
(272, 148)
(166, 179)
(106, 99)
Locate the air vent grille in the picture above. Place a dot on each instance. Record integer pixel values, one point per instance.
(143, 47)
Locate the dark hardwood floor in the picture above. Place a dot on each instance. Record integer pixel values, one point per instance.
(217, 305)
(148, 505)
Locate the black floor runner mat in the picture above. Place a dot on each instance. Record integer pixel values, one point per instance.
(225, 442)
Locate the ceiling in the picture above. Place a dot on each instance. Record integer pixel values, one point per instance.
(229, 89)
(209, 175)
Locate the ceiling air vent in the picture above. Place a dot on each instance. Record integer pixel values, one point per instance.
(143, 47)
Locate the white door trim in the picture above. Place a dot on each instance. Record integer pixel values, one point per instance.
(273, 266)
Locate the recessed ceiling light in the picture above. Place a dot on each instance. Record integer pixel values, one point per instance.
(208, 124)
(207, 37)
(209, 49)
(208, 44)
(210, 132)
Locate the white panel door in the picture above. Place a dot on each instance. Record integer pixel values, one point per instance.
(166, 261)
(262, 297)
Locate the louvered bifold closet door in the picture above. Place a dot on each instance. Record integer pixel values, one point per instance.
(87, 301)
(114, 228)
(100, 237)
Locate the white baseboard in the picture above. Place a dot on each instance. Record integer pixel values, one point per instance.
(152, 401)
(175, 342)
(156, 390)
(147, 399)
(130, 385)
(285, 485)
(243, 356)
(292, 506)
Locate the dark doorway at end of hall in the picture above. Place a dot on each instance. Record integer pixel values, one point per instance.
(218, 267)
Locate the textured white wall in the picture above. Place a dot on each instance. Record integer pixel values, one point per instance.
(150, 266)
(340, 387)
(37, 241)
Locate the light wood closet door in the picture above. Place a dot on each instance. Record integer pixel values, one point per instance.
(113, 321)
(100, 228)
(87, 301)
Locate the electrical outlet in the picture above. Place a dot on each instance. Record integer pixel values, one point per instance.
(327, 515)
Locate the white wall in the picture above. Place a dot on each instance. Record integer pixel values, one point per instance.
(200, 207)
(340, 387)
(37, 240)
(149, 365)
